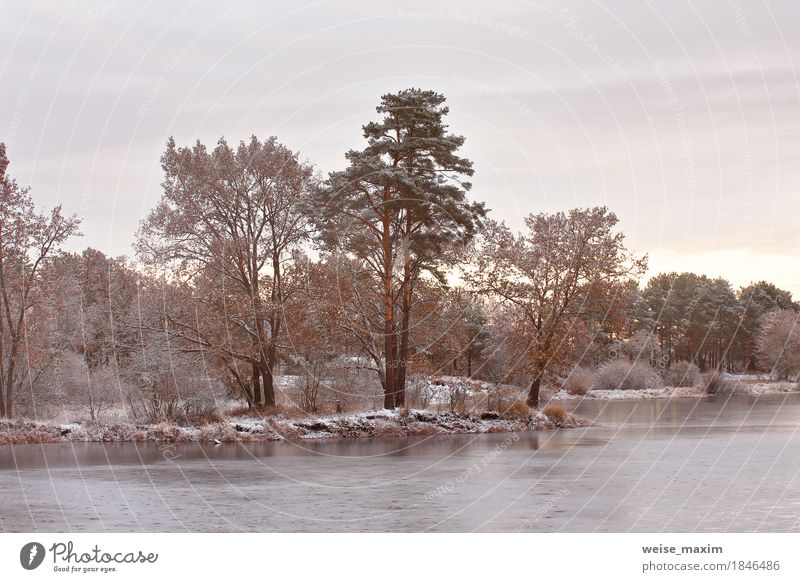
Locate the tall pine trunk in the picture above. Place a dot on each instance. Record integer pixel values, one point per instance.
(405, 308)
(388, 307)
(402, 364)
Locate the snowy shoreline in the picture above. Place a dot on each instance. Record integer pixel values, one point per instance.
(246, 429)
(375, 424)
(735, 389)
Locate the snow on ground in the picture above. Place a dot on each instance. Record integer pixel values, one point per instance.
(666, 392)
(736, 385)
(441, 393)
(441, 390)
(771, 387)
(250, 429)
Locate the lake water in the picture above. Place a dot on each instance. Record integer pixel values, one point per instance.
(714, 464)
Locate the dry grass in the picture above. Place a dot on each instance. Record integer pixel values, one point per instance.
(20, 432)
(283, 411)
(242, 410)
(557, 414)
(388, 429)
(211, 417)
(501, 398)
(517, 410)
(507, 402)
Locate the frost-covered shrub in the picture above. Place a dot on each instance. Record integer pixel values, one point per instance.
(683, 374)
(419, 392)
(579, 381)
(352, 387)
(716, 384)
(308, 389)
(456, 395)
(163, 386)
(621, 374)
(198, 410)
(332, 385)
(778, 344)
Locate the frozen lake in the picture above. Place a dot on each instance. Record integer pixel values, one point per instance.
(714, 464)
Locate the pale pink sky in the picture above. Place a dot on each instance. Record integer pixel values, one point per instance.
(683, 117)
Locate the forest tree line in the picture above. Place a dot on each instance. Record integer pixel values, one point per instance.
(253, 267)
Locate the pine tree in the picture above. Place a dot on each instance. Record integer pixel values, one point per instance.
(400, 207)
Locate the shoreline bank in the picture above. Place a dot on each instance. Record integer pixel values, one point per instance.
(732, 389)
(374, 424)
(249, 430)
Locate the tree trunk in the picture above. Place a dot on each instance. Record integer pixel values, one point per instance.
(402, 364)
(669, 349)
(12, 360)
(268, 371)
(388, 307)
(533, 392)
(10, 400)
(264, 368)
(749, 361)
(248, 394)
(407, 290)
(396, 371)
(268, 378)
(256, 385)
(388, 389)
(388, 350)
(2, 380)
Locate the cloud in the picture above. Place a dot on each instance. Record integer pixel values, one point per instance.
(694, 146)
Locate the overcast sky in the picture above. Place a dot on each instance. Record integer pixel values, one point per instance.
(683, 117)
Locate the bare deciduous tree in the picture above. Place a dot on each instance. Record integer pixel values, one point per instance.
(547, 277)
(28, 239)
(233, 217)
(778, 344)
